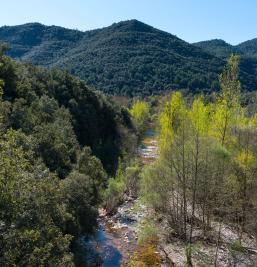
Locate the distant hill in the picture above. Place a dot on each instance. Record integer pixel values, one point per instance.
(126, 58)
(248, 58)
(249, 47)
(222, 49)
(217, 47)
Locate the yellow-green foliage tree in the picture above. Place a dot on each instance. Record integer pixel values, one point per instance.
(207, 162)
(140, 115)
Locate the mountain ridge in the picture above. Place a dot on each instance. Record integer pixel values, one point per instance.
(246, 48)
(126, 58)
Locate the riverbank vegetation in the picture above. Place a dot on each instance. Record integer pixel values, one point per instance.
(123, 185)
(205, 174)
(140, 115)
(65, 150)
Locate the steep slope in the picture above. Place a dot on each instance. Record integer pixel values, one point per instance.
(97, 122)
(126, 58)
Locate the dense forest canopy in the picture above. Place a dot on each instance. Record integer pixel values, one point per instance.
(41, 98)
(127, 58)
(59, 140)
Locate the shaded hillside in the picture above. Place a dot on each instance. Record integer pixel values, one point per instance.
(134, 58)
(58, 139)
(126, 58)
(129, 58)
(35, 93)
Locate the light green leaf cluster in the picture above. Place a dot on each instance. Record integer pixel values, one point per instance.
(208, 158)
(140, 115)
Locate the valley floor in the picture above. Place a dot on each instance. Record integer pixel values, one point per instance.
(116, 239)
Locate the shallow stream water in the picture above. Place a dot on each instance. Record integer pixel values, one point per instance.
(116, 237)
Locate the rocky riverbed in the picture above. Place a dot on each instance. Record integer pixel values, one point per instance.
(116, 237)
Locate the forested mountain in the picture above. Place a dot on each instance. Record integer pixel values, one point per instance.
(40, 44)
(248, 57)
(249, 47)
(222, 49)
(127, 58)
(218, 48)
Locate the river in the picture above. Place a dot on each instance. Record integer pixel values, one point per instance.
(116, 236)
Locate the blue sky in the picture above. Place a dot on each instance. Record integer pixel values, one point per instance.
(192, 20)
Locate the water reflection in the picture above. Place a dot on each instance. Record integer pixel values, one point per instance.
(100, 251)
(115, 239)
